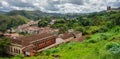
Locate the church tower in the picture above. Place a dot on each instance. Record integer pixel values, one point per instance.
(108, 8)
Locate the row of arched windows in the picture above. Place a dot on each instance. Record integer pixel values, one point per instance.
(14, 50)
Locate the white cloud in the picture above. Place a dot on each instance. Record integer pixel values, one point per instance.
(59, 6)
(4, 4)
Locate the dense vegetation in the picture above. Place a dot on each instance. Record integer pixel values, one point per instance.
(7, 22)
(4, 43)
(102, 37)
(88, 24)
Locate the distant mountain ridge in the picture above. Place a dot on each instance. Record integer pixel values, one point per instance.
(38, 14)
(31, 14)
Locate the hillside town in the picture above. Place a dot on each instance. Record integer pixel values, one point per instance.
(38, 38)
(59, 29)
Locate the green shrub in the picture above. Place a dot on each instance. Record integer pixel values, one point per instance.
(104, 37)
(47, 52)
(113, 47)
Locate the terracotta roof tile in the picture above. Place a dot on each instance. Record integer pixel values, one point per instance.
(27, 40)
(67, 35)
(29, 48)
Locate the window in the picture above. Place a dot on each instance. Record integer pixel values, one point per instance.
(11, 50)
(19, 51)
(14, 50)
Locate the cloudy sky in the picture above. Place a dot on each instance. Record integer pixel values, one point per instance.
(58, 6)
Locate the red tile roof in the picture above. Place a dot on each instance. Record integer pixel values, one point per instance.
(27, 40)
(29, 48)
(67, 35)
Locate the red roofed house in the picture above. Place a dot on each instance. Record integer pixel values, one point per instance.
(70, 36)
(29, 45)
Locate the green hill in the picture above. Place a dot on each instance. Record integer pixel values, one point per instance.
(7, 22)
(33, 15)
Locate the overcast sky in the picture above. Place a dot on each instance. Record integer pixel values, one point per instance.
(59, 6)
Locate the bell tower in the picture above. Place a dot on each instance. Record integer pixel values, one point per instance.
(108, 7)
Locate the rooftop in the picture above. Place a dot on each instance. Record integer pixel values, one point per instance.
(67, 35)
(32, 28)
(27, 40)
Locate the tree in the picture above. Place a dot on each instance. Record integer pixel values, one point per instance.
(43, 23)
(4, 43)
